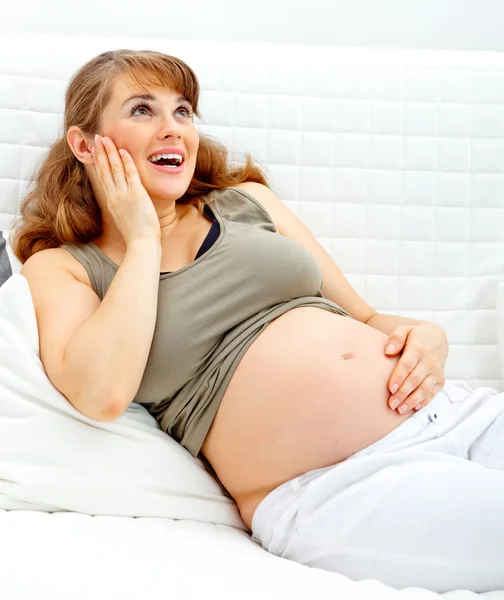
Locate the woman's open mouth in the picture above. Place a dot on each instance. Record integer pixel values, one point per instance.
(167, 163)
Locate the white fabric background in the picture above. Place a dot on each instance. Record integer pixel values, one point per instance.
(447, 24)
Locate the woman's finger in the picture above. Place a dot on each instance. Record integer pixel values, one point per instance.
(130, 170)
(396, 340)
(116, 166)
(404, 367)
(103, 168)
(421, 395)
(412, 380)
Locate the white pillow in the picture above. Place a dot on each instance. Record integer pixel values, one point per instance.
(52, 458)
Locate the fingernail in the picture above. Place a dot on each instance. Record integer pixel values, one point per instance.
(403, 409)
(394, 388)
(395, 403)
(390, 348)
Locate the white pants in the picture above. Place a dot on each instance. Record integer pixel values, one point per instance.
(422, 507)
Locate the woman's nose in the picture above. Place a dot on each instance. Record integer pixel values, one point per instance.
(169, 128)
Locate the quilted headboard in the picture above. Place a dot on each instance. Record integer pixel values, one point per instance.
(393, 158)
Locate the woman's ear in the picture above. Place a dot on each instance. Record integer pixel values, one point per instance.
(80, 144)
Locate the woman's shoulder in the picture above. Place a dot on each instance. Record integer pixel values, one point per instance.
(56, 259)
(240, 203)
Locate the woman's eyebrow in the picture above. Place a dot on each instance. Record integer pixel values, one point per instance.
(151, 98)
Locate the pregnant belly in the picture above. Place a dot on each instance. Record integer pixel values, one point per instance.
(308, 393)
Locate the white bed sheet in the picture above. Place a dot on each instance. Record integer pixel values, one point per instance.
(69, 556)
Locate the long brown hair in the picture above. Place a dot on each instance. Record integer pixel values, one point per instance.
(61, 207)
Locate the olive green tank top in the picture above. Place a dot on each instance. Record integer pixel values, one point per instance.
(211, 310)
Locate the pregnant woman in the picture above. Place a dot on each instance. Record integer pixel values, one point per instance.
(161, 275)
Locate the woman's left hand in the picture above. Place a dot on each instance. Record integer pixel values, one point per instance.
(419, 374)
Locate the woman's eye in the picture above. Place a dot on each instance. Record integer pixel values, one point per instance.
(139, 107)
(186, 112)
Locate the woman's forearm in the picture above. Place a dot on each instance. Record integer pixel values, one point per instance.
(387, 323)
(107, 355)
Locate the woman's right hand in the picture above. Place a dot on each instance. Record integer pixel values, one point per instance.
(127, 200)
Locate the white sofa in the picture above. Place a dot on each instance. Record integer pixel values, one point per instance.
(393, 158)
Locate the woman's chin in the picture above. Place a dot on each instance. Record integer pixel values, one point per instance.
(168, 192)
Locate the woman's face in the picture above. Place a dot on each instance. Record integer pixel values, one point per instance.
(160, 124)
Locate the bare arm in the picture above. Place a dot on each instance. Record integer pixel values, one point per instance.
(107, 354)
(95, 352)
(388, 323)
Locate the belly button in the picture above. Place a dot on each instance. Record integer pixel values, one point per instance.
(347, 355)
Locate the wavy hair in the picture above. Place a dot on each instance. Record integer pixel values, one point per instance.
(61, 207)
